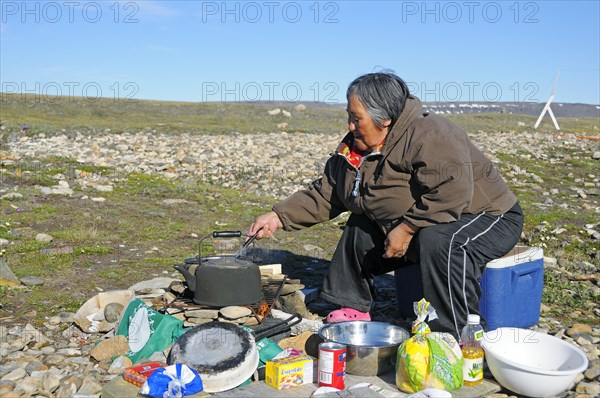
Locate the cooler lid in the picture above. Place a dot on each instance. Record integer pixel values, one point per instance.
(518, 255)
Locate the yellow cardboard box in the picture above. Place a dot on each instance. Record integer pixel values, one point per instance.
(290, 372)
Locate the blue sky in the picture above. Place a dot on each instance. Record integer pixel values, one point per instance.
(300, 50)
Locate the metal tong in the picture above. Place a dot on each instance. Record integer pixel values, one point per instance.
(246, 244)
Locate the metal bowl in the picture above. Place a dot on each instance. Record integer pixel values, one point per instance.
(371, 347)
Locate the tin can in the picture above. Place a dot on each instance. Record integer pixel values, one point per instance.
(332, 365)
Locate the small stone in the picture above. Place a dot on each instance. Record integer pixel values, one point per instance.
(118, 345)
(32, 281)
(578, 328)
(290, 288)
(89, 386)
(112, 312)
(593, 372)
(66, 317)
(6, 386)
(103, 188)
(202, 314)
(152, 284)
(119, 365)
(44, 238)
(28, 387)
(250, 321)
(13, 394)
(69, 352)
(592, 389)
(11, 195)
(54, 320)
(15, 375)
(50, 382)
(35, 367)
(235, 312)
(66, 390)
(54, 359)
(168, 298)
(596, 155)
(293, 304)
(583, 339)
(177, 287)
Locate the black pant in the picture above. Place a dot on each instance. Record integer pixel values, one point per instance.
(451, 256)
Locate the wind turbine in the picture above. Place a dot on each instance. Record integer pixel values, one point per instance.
(547, 107)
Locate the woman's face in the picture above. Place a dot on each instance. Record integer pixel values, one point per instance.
(367, 135)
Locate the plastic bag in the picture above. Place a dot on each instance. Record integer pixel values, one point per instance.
(147, 331)
(428, 359)
(173, 381)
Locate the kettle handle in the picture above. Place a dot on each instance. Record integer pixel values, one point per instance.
(226, 234)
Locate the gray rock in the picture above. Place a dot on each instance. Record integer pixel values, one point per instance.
(11, 195)
(89, 386)
(156, 283)
(235, 312)
(44, 238)
(291, 288)
(70, 352)
(50, 382)
(54, 359)
(66, 317)
(592, 389)
(202, 314)
(66, 390)
(103, 188)
(32, 281)
(4, 242)
(197, 321)
(596, 155)
(15, 375)
(593, 371)
(34, 366)
(28, 386)
(112, 312)
(293, 304)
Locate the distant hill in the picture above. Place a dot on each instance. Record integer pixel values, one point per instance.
(560, 109)
(520, 108)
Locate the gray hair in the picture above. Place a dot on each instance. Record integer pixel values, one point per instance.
(382, 94)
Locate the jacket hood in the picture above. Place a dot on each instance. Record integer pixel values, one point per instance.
(413, 109)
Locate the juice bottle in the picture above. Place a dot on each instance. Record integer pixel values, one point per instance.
(472, 352)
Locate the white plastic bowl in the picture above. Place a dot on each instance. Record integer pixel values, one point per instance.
(532, 363)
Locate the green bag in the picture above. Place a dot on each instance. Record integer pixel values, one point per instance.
(147, 331)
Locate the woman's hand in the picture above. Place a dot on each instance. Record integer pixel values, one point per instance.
(397, 241)
(266, 225)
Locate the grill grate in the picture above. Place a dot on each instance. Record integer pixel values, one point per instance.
(271, 289)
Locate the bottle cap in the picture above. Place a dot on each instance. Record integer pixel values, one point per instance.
(473, 318)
